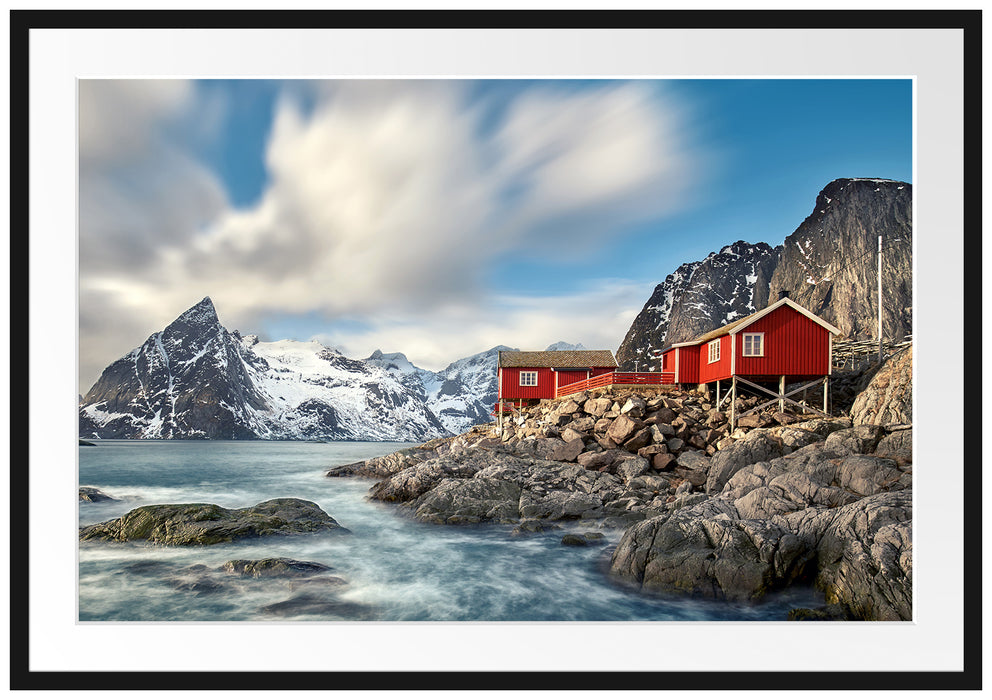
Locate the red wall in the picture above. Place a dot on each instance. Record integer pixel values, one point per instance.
(710, 372)
(794, 346)
(510, 388)
(688, 365)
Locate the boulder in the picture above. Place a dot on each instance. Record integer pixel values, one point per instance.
(206, 523)
(706, 550)
(663, 461)
(596, 460)
(623, 428)
(757, 446)
(597, 407)
(629, 469)
(465, 501)
(568, 451)
(642, 438)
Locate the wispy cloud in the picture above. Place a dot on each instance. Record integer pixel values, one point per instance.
(388, 200)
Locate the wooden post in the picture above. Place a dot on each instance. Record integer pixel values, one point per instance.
(826, 393)
(499, 410)
(733, 401)
(781, 393)
(718, 393)
(804, 402)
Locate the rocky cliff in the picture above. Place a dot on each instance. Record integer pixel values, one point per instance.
(699, 297)
(829, 265)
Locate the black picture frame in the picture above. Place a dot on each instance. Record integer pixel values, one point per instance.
(22, 22)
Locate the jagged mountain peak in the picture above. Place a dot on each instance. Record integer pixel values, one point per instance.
(201, 315)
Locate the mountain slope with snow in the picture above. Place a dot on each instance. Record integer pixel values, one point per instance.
(195, 379)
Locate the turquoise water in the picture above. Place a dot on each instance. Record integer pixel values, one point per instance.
(395, 568)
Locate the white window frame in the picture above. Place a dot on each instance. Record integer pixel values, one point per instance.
(761, 345)
(713, 351)
(528, 379)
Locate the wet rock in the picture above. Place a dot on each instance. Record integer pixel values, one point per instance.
(706, 550)
(466, 501)
(277, 567)
(316, 605)
(384, 466)
(94, 495)
(531, 525)
(206, 523)
(572, 540)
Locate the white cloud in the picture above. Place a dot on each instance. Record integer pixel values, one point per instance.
(385, 199)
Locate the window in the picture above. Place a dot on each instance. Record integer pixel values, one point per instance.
(714, 350)
(528, 379)
(754, 345)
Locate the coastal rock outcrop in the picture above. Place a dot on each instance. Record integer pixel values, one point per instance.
(206, 523)
(731, 514)
(94, 495)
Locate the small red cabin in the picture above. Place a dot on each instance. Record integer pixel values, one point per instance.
(537, 375)
(783, 343)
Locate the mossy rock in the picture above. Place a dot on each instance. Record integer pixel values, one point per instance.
(207, 523)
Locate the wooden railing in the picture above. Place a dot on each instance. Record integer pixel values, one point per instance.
(611, 378)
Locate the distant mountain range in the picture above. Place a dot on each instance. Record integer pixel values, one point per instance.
(195, 379)
(829, 265)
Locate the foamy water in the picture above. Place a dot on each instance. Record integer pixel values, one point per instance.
(394, 568)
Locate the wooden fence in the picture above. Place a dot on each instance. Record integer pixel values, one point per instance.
(613, 378)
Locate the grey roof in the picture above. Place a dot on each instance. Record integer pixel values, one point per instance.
(557, 358)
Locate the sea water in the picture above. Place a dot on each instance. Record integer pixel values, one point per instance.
(389, 568)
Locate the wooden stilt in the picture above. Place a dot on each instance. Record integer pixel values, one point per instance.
(826, 393)
(718, 393)
(733, 401)
(781, 393)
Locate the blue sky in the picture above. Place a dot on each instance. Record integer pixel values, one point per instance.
(440, 218)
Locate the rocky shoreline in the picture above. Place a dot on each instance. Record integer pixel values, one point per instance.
(704, 510)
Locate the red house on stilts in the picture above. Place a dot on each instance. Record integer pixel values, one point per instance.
(783, 343)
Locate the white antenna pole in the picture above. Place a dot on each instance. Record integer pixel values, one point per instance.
(879, 299)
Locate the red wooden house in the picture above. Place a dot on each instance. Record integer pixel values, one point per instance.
(523, 376)
(782, 343)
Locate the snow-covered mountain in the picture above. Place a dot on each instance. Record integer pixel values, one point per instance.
(463, 393)
(195, 379)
